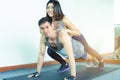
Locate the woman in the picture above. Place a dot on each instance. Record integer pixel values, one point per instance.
(54, 11)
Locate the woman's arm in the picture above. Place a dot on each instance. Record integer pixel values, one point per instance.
(71, 29)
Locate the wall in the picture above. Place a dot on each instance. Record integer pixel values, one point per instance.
(116, 11)
(95, 20)
(19, 32)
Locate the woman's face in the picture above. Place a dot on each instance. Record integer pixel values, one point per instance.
(50, 9)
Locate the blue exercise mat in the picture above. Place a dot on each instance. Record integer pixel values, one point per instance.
(83, 73)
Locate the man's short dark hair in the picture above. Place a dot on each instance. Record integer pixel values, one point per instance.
(44, 19)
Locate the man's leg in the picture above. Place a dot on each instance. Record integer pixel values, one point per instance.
(64, 66)
(90, 50)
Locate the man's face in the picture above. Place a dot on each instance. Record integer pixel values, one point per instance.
(46, 29)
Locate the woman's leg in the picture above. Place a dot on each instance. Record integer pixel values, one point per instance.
(64, 66)
(89, 49)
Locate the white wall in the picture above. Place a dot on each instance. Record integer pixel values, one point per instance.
(19, 32)
(116, 11)
(95, 20)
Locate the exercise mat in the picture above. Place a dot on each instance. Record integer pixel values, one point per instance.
(83, 73)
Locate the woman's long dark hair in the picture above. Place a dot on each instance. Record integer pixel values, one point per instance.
(57, 13)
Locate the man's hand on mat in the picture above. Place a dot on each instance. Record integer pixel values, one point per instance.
(36, 74)
(70, 78)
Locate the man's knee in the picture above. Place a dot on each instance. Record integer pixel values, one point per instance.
(50, 51)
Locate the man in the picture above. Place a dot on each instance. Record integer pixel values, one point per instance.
(59, 41)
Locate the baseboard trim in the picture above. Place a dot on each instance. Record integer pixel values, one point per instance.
(32, 65)
(112, 61)
(47, 63)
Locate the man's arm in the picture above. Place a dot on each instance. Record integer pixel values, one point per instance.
(41, 55)
(65, 39)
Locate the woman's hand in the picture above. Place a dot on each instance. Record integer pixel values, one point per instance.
(65, 30)
(69, 32)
